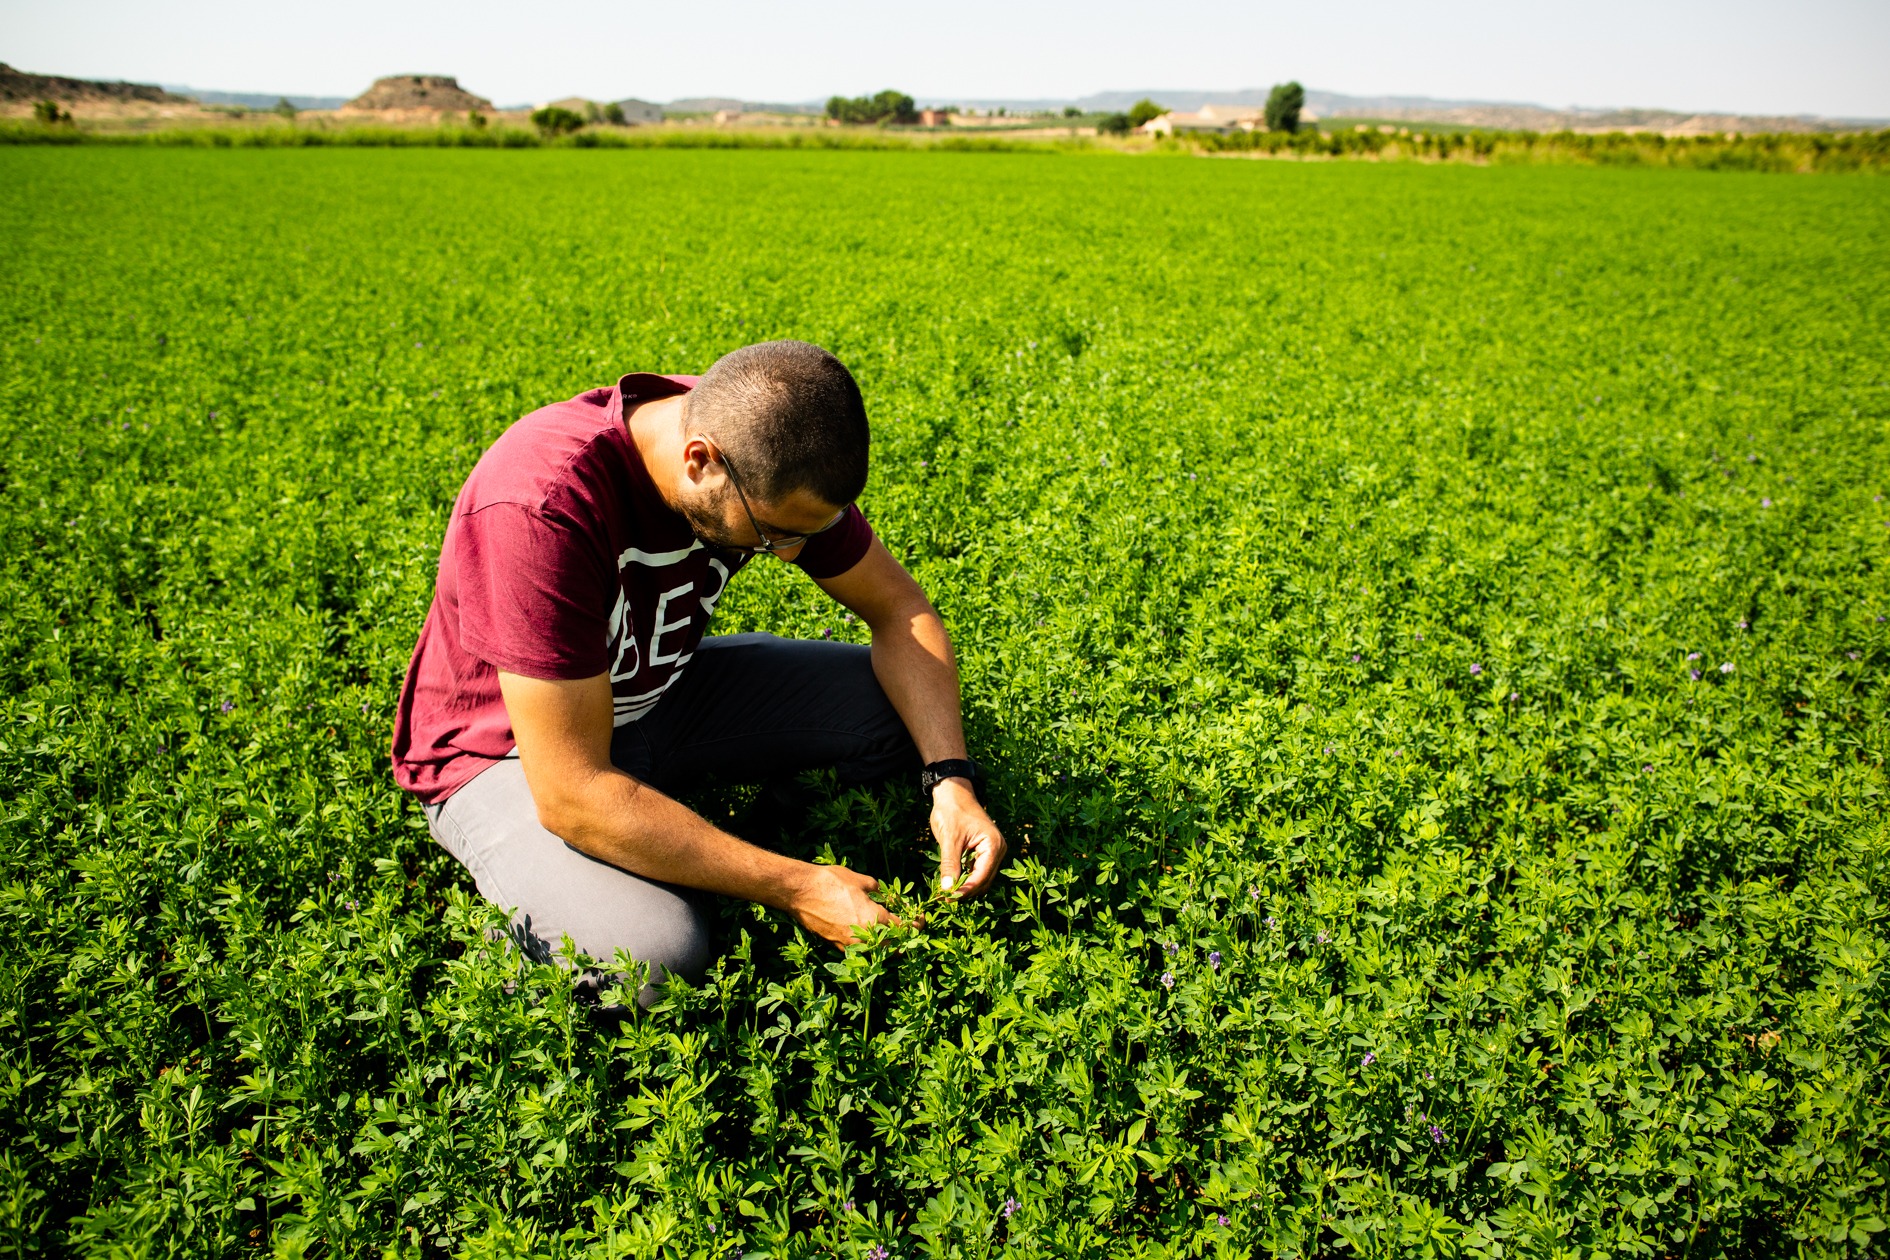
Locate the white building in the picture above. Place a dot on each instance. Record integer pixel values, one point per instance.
(1221, 118)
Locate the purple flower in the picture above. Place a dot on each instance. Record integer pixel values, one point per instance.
(878, 1252)
(1168, 979)
(1514, 696)
(1476, 669)
(1367, 1060)
(1852, 655)
(1693, 656)
(1427, 1076)
(1695, 674)
(363, 706)
(1253, 894)
(712, 1225)
(1214, 959)
(1437, 1135)
(1727, 668)
(228, 705)
(826, 632)
(353, 905)
(1765, 503)
(1744, 625)
(847, 1206)
(1355, 658)
(921, 463)
(1272, 922)
(1752, 459)
(1320, 939)
(1420, 635)
(1221, 1220)
(1329, 746)
(1169, 947)
(1010, 1208)
(1647, 769)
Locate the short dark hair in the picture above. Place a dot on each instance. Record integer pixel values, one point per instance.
(792, 418)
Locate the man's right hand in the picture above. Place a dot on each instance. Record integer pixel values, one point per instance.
(563, 730)
(833, 901)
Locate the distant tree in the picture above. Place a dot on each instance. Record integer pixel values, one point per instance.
(48, 112)
(1284, 104)
(1114, 125)
(1071, 111)
(555, 120)
(613, 114)
(593, 112)
(475, 119)
(283, 107)
(881, 107)
(1143, 111)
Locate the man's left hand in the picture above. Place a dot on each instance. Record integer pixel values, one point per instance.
(966, 838)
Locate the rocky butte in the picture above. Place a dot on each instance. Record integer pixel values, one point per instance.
(415, 98)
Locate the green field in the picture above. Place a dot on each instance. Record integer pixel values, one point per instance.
(1327, 546)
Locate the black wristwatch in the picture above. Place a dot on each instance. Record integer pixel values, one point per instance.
(957, 768)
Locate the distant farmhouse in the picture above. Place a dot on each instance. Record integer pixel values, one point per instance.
(1215, 118)
(415, 98)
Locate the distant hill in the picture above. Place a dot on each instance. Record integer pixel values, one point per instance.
(717, 104)
(417, 93)
(257, 100)
(22, 85)
(1496, 114)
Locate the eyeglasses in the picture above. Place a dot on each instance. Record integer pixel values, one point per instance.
(768, 546)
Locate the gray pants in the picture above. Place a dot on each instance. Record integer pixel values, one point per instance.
(748, 707)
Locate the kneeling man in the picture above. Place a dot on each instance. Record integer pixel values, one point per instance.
(562, 684)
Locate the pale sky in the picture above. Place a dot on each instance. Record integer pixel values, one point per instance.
(1828, 57)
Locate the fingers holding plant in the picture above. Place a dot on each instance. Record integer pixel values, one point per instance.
(970, 846)
(834, 900)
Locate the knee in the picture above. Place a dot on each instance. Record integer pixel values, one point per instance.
(686, 947)
(683, 945)
(677, 941)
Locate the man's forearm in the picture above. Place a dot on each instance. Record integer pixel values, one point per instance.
(631, 825)
(912, 658)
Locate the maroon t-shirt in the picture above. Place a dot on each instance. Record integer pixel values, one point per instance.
(562, 561)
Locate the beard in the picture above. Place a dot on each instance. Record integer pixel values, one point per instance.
(707, 526)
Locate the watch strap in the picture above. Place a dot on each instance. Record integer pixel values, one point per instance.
(953, 768)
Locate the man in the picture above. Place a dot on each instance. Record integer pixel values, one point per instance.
(562, 685)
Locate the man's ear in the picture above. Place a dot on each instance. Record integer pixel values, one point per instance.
(698, 457)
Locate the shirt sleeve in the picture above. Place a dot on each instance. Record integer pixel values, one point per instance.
(832, 552)
(531, 596)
